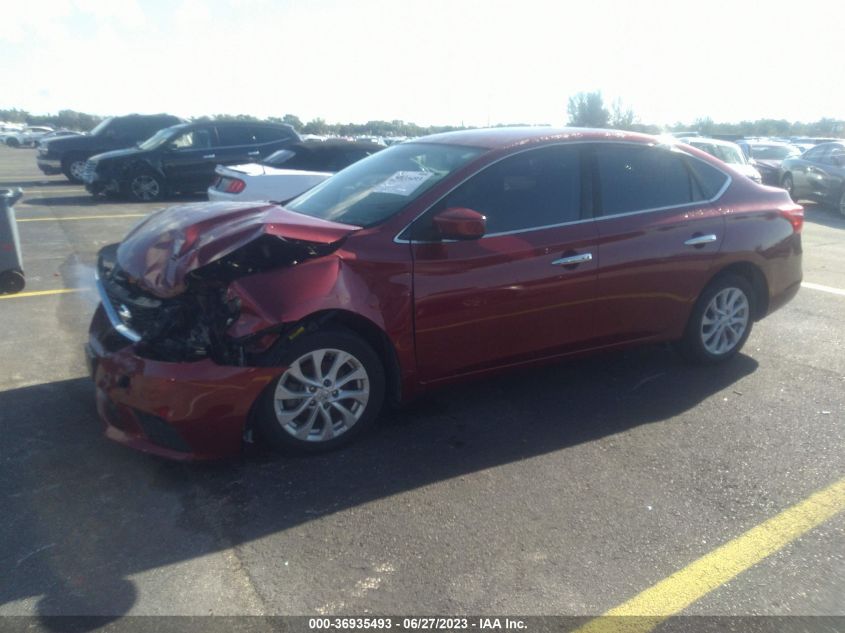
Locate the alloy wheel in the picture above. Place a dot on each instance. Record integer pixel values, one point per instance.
(77, 168)
(725, 321)
(145, 187)
(321, 395)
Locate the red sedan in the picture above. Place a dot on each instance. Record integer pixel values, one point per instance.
(449, 257)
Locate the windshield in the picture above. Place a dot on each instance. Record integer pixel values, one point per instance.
(773, 152)
(157, 139)
(377, 187)
(101, 126)
(278, 157)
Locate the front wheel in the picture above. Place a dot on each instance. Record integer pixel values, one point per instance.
(841, 206)
(331, 392)
(145, 186)
(13, 142)
(720, 321)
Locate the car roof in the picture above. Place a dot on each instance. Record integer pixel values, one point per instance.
(709, 141)
(504, 137)
(336, 143)
(767, 143)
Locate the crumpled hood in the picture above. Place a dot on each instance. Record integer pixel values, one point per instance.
(163, 249)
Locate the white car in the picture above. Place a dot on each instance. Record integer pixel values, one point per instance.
(726, 152)
(26, 136)
(288, 172)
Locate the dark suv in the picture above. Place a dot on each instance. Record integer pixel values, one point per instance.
(67, 155)
(182, 158)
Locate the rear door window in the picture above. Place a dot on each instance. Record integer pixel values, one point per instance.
(638, 178)
(266, 134)
(234, 135)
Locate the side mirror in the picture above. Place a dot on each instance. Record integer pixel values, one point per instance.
(458, 223)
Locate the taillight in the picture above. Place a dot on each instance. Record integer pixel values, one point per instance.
(236, 186)
(795, 215)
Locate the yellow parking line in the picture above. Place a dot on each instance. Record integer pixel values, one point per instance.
(85, 217)
(41, 293)
(674, 594)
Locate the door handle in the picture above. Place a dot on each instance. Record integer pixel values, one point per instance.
(255, 153)
(701, 240)
(573, 260)
(209, 155)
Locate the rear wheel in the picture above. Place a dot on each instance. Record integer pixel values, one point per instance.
(787, 184)
(720, 321)
(841, 206)
(331, 392)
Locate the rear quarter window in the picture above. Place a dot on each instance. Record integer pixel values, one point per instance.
(709, 179)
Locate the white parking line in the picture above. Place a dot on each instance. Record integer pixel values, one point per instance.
(833, 291)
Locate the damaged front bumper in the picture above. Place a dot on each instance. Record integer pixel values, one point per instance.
(186, 411)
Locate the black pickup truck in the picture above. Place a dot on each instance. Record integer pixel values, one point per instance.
(67, 155)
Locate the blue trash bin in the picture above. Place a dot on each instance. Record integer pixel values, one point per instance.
(11, 266)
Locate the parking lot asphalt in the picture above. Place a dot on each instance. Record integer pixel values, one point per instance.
(566, 490)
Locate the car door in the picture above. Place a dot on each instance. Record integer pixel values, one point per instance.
(238, 144)
(522, 291)
(658, 237)
(186, 159)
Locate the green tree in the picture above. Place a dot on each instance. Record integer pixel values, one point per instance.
(622, 117)
(294, 121)
(586, 109)
(316, 126)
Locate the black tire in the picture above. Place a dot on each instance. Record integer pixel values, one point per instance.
(698, 344)
(13, 142)
(788, 184)
(144, 185)
(277, 420)
(72, 168)
(11, 281)
(840, 207)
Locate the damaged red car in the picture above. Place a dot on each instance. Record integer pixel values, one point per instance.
(449, 257)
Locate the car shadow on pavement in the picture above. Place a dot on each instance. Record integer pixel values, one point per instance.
(82, 515)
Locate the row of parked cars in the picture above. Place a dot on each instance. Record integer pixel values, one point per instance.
(808, 168)
(15, 135)
(147, 157)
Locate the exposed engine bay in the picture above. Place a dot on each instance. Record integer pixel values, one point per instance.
(193, 325)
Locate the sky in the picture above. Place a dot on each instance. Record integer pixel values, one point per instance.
(436, 62)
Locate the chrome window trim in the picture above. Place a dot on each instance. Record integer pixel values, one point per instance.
(674, 148)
